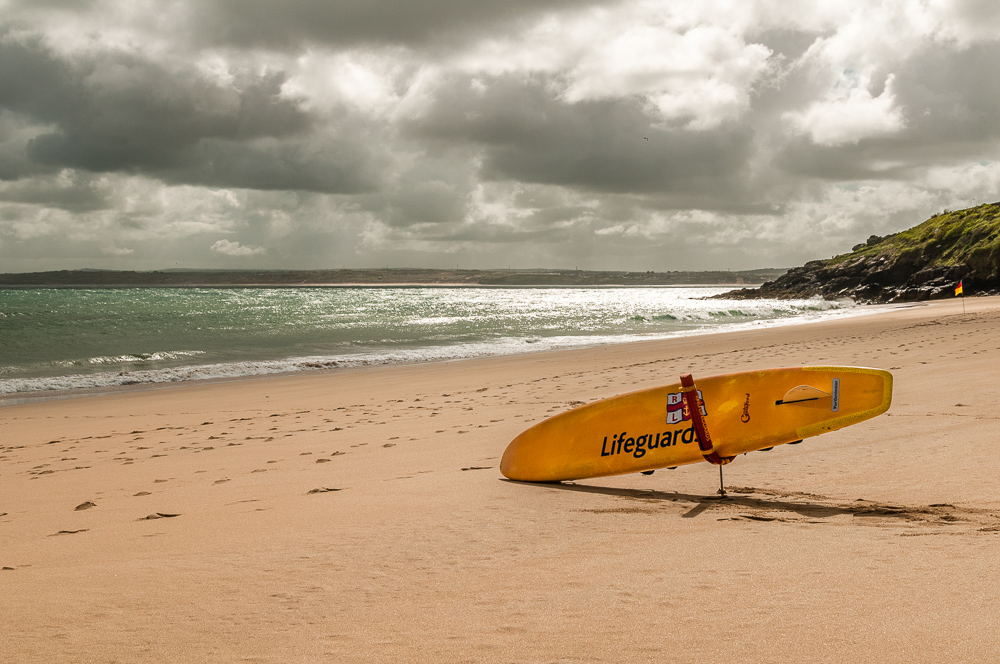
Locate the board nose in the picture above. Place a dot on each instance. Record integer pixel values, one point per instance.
(507, 462)
(522, 463)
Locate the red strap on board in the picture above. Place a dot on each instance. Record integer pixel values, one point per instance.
(690, 392)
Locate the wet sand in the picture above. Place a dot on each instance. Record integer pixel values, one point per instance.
(360, 516)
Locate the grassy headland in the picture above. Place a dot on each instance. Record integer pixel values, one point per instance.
(921, 263)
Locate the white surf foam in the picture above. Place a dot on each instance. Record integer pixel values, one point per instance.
(799, 312)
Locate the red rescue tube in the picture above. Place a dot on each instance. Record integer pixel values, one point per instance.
(690, 392)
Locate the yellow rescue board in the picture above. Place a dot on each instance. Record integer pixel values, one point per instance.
(651, 428)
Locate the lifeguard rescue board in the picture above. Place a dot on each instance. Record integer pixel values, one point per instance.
(653, 428)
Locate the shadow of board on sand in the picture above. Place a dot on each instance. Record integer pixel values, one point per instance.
(756, 504)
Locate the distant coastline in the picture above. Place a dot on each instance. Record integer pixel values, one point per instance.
(399, 277)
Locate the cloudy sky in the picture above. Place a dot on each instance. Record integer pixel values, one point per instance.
(645, 135)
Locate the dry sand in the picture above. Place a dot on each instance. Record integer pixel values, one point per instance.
(360, 516)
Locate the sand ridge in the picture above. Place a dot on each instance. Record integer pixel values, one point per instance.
(360, 515)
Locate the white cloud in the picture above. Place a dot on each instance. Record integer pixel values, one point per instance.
(703, 76)
(967, 184)
(850, 117)
(227, 248)
(694, 69)
(361, 80)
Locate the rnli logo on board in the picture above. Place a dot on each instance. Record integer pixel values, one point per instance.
(637, 445)
(677, 408)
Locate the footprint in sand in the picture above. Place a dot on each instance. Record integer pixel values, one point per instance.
(157, 515)
(321, 490)
(478, 468)
(85, 506)
(142, 493)
(69, 532)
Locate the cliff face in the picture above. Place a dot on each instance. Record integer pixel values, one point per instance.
(923, 263)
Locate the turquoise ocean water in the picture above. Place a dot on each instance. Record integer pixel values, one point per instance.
(58, 339)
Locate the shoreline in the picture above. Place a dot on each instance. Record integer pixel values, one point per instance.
(360, 516)
(33, 396)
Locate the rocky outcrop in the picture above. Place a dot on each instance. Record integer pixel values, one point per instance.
(923, 263)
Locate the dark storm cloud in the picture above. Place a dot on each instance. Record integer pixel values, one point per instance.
(284, 25)
(32, 81)
(800, 158)
(952, 97)
(432, 201)
(529, 135)
(76, 192)
(318, 164)
(15, 132)
(113, 112)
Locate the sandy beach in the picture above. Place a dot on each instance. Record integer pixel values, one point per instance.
(360, 516)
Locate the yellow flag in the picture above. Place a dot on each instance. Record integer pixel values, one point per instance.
(958, 289)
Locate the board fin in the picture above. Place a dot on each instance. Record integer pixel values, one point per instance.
(802, 393)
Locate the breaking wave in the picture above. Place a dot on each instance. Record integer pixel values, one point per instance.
(238, 333)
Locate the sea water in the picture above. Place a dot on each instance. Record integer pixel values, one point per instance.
(59, 339)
